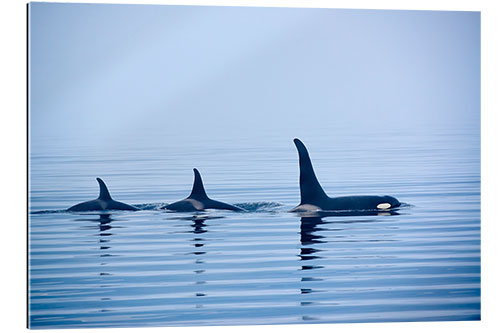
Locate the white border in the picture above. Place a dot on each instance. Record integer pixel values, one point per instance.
(13, 176)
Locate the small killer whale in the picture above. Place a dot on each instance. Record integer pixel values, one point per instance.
(314, 198)
(198, 200)
(103, 202)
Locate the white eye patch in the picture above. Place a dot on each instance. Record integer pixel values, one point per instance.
(384, 205)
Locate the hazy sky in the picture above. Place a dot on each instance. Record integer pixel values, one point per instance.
(100, 71)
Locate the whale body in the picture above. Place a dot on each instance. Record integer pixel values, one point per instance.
(103, 202)
(198, 200)
(314, 198)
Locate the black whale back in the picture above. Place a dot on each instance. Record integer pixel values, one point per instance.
(311, 191)
(103, 202)
(198, 191)
(103, 190)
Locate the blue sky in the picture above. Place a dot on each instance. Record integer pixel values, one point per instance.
(113, 70)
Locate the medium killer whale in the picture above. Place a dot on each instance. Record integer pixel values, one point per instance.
(198, 200)
(314, 198)
(103, 202)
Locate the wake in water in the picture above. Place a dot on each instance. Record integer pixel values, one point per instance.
(150, 206)
(261, 206)
(49, 211)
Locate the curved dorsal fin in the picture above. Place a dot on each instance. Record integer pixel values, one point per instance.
(311, 191)
(103, 190)
(198, 191)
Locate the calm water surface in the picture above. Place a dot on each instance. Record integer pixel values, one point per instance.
(267, 266)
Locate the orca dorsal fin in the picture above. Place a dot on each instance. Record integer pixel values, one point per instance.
(103, 190)
(311, 191)
(198, 191)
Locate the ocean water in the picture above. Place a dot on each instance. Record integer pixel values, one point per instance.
(264, 266)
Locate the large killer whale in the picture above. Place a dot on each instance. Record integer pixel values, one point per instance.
(103, 202)
(198, 200)
(314, 198)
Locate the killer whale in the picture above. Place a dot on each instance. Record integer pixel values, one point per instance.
(198, 200)
(314, 198)
(103, 202)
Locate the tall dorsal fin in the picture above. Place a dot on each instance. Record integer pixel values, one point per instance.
(103, 190)
(198, 191)
(311, 191)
